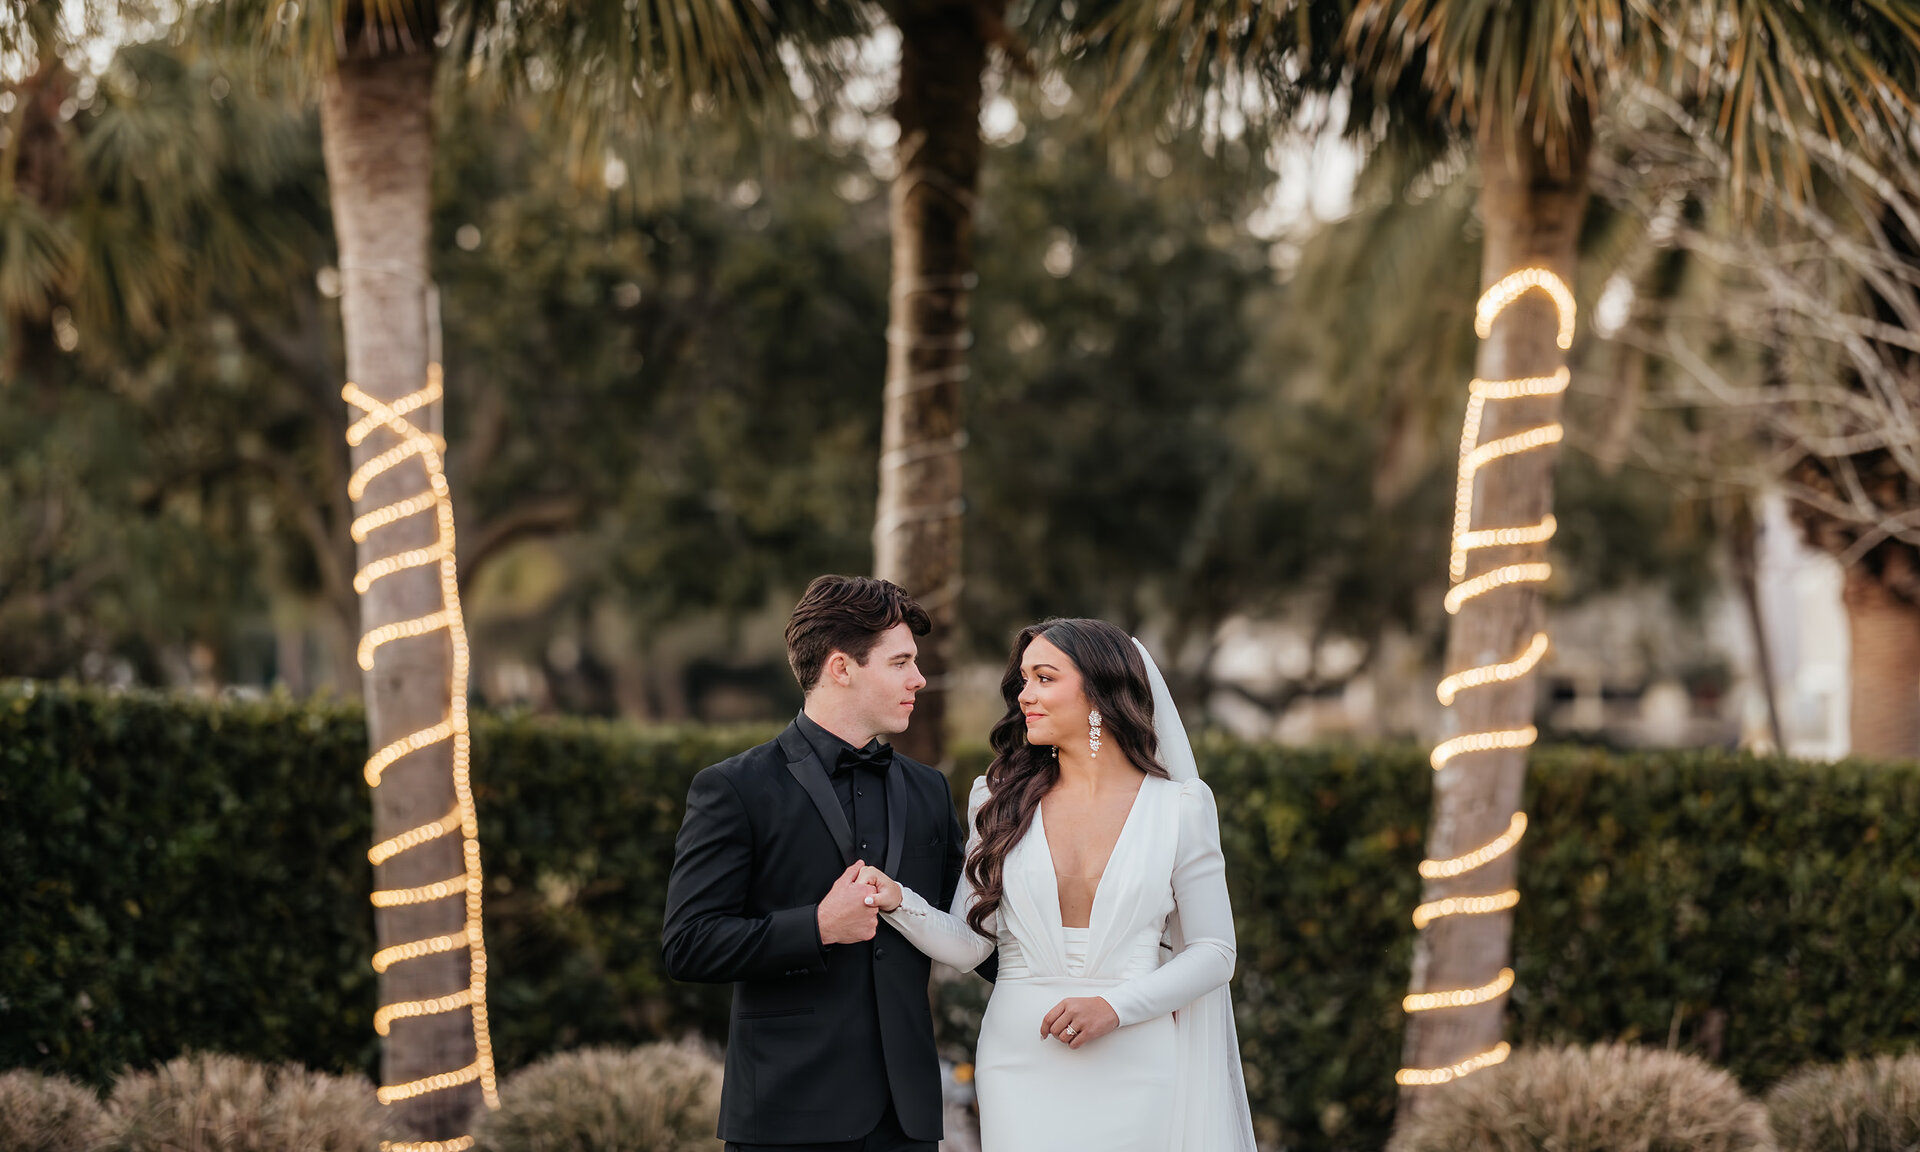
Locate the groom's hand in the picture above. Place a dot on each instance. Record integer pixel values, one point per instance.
(1087, 1018)
(845, 915)
(887, 895)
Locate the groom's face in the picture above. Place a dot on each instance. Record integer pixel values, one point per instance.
(884, 687)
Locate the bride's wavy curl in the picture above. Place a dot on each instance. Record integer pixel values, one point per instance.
(1114, 679)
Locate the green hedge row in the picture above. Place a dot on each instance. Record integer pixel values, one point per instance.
(177, 875)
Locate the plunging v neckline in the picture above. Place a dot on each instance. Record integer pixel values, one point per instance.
(1053, 870)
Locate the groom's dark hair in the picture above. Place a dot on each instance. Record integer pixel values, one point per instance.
(846, 614)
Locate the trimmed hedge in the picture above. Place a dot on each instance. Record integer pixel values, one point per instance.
(181, 874)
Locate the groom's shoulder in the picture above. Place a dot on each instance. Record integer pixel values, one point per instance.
(920, 774)
(745, 766)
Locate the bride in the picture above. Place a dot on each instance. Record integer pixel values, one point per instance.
(1094, 867)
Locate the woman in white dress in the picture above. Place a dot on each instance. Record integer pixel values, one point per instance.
(1094, 867)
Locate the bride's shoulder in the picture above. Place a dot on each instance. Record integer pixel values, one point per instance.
(977, 796)
(1192, 797)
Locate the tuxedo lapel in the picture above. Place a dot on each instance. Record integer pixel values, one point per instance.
(896, 814)
(806, 768)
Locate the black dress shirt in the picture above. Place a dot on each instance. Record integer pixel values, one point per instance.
(860, 781)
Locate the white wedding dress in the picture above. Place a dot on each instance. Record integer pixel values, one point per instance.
(1159, 947)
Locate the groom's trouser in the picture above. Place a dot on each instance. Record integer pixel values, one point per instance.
(886, 1137)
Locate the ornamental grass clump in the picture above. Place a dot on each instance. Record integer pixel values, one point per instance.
(1859, 1106)
(210, 1103)
(48, 1114)
(656, 1098)
(1608, 1098)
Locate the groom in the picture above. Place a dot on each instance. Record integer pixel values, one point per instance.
(830, 1045)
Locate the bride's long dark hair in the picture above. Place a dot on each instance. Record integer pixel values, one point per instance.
(1114, 679)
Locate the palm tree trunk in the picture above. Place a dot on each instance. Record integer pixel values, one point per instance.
(1531, 205)
(1883, 672)
(916, 533)
(378, 136)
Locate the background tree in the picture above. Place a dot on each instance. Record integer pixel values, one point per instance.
(917, 521)
(1528, 83)
(1793, 345)
(376, 67)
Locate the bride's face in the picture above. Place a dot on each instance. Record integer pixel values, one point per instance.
(1052, 698)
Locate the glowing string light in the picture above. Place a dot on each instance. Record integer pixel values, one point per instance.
(380, 761)
(438, 890)
(459, 1144)
(368, 472)
(1493, 673)
(408, 1009)
(398, 562)
(414, 949)
(411, 402)
(414, 837)
(1496, 299)
(1416, 1077)
(1460, 997)
(1492, 850)
(438, 1082)
(414, 442)
(1508, 537)
(1482, 742)
(1515, 444)
(1476, 457)
(400, 630)
(1473, 454)
(380, 518)
(1465, 906)
(1533, 573)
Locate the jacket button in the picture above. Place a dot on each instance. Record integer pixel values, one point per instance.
(879, 953)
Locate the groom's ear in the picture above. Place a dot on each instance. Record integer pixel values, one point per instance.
(835, 669)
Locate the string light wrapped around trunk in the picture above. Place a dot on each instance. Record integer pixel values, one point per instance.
(414, 442)
(1474, 458)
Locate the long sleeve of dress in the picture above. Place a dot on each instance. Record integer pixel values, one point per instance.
(943, 935)
(1205, 920)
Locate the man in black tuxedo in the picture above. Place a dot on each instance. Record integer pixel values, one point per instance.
(830, 1045)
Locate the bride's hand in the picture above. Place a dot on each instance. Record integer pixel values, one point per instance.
(887, 897)
(1079, 1019)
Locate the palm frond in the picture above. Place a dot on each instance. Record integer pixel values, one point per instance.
(1849, 69)
(36, 258)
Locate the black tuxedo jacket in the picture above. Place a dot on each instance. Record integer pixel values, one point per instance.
(818, 1035)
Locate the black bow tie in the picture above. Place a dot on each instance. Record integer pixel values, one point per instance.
(875, 758)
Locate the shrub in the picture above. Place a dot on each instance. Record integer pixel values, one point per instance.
(657, 1098)
(1609, 1098)
(210, 1103)
(1858, 1106)
(48, 1114)
(174, 867)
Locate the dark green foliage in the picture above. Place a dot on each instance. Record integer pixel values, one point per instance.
(196, 872)
(181, 875)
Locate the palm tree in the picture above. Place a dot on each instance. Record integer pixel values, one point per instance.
(1526, 82)
(916, 532)
(944, 51)
(376, 64)
(1857, 508)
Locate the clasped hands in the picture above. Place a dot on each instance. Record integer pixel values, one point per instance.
(851, 912)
